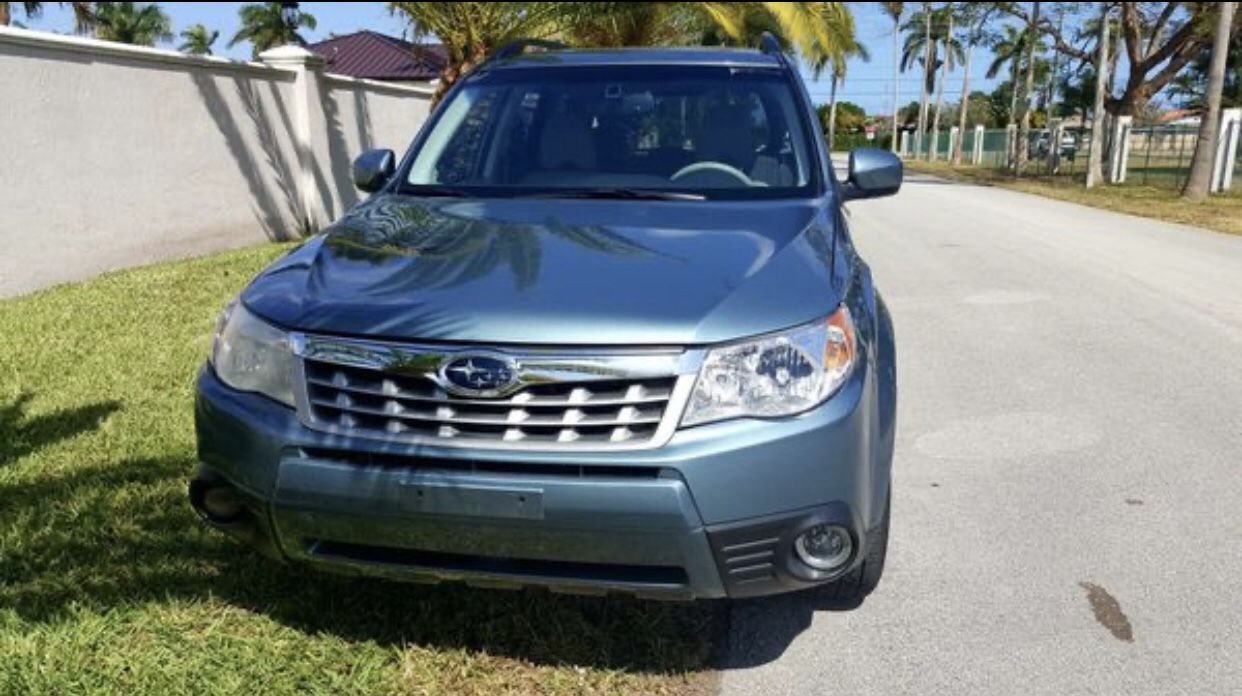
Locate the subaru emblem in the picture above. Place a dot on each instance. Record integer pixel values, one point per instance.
(479, 375)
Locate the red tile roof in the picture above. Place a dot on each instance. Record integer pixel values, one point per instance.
(374, 56)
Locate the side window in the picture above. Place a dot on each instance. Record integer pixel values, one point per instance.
(460, 160)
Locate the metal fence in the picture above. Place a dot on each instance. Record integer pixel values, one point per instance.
(1159, 155)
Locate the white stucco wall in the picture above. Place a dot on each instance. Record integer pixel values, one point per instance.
(114, 156)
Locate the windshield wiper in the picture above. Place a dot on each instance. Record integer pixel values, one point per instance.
(432, 191)
(623, 194)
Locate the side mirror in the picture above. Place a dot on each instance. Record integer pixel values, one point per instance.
(373, 169)
(873, 173)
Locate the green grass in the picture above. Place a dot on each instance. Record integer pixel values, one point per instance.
(1220, 212)
(110, 584)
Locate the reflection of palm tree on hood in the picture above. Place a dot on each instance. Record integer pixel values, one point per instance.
(452, 249)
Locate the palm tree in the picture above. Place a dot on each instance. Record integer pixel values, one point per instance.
(839, 65)
(1008, 50)
(198, 40)
(1200, 179)
(894, 10)
(132, 23)
(32, 10)
(975, 17)
(943, 16)
(271, 24)
(929, 33)
(618, 24)
(470, 31)
(1024, 101)
(83, 13)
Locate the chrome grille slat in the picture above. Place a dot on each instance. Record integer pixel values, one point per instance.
(599, 404)
(653, 397)
(500, 419)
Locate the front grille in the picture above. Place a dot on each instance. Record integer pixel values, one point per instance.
(372, 402)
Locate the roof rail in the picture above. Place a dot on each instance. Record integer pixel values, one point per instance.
(770, 45)
(516, 48)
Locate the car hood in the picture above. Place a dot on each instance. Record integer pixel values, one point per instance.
(569, 272)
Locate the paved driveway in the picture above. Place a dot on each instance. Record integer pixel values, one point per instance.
(1068, 499)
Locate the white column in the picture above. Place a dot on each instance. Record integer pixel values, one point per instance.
(1011, 144)
(953, 136)
(905, 143)
(308, 120)
(1054, 144)
(976, 156)
(1119, 157)
(1226, 150)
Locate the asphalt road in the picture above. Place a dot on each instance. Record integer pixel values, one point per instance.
(1067, 507)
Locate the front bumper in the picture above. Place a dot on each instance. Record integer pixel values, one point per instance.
(710, 514)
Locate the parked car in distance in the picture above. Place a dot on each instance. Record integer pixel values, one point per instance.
(601, 329)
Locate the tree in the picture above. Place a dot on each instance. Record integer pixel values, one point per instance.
(946, 16)
(1000, 103)
(894, 10)
(1190, 87)
(1095, 160)
(619, 24)
(271, 24)
(1008, 49)
(1200, 179)
(974, 20)
(127, 22)
(1024, 96)
(83, 13)
(32, 10)
(838, 65)
(470, 31)
(198, 40)
(1160, 39)
(912, 48)
(928, 32)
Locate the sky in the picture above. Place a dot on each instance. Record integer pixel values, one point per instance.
(868, 84)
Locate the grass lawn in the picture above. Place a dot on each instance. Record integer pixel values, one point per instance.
(110, 584)
(1220, 212)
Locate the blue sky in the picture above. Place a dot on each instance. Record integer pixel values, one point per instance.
(868, 84)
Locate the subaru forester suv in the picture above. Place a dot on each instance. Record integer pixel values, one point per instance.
(602, 329)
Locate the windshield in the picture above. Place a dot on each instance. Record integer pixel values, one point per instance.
(706, 131)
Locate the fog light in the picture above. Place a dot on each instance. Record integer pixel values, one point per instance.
(824, 547)
(222, 503)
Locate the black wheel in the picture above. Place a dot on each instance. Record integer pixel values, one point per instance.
(858, 583)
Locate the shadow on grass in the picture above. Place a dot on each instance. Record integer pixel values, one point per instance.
(20, 435)
(123, 533)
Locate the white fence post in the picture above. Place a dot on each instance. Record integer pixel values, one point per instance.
(905, 143)
(308, 119)
(1011, 145)
(1054, 144)
(976, 155)
(954, 134)
(1120, 156)
(1226, 150)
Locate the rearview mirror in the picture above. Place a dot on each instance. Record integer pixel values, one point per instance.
(873, 173)
(373, 169)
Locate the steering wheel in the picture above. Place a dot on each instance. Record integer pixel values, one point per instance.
(708, 167)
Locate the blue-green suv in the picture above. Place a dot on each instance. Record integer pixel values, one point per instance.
(602, 329)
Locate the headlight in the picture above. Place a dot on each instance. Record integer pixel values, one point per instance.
(251, 355)
(777, 375)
